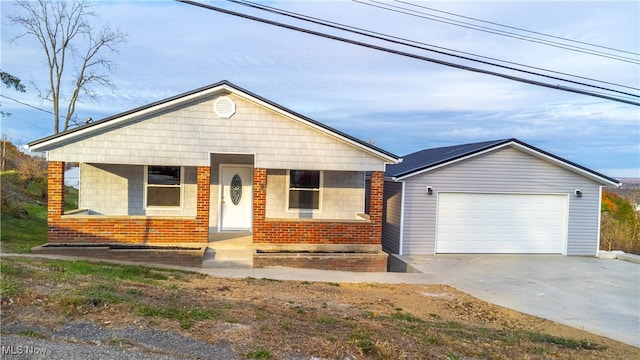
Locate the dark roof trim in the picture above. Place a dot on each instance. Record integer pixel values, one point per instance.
(222, 83)
(423, 167)
(129, 112)
(610, 179)
(316, 123)
(497, 144)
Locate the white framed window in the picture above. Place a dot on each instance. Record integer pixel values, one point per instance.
(164, 186)
(304, 190)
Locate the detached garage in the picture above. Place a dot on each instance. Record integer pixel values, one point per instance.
(493, 197)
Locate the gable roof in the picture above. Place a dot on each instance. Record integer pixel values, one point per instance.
(57, 140)
(430, 159)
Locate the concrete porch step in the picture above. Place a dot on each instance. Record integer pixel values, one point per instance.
(229, 258)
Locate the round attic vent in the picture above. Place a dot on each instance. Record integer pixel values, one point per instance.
(224, 107)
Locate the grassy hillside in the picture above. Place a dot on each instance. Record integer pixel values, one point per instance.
(23, 220)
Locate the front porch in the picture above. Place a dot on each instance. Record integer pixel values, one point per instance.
(239, 251)
(323, 243)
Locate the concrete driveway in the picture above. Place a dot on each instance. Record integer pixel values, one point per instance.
(601, 296)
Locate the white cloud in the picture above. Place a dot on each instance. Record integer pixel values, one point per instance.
(404, 104)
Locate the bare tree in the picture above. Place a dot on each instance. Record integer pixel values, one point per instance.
(65, 32)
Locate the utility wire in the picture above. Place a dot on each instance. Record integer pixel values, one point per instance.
(386, 37)
(34, 123)
(419, 14)
(517, 28)
(406, 54)
(29, 105)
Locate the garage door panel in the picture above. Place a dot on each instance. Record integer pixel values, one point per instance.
(501, 223)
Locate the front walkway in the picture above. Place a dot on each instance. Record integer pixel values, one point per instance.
(229, 250)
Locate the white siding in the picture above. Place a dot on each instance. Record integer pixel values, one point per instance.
(186, 135)
(507, 170)
(342, 196)
(119, 190)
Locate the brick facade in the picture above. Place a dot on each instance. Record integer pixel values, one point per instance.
(98, 229)
(294, 231)
(127, 229)
(374, 262)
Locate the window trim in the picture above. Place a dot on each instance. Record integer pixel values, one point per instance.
(288, 189)
(146, 187)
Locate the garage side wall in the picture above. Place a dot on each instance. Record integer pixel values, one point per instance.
(505, 170)
(391, 217)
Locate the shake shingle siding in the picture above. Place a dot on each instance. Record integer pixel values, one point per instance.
(188, 134)
(109, 189)
(504, 170)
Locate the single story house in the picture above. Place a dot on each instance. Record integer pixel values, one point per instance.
(501, 196)
(222, 159)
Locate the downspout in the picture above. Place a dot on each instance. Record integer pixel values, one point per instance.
(599, 220)
(401, 245)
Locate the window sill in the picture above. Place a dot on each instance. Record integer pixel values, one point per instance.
(86, 214)
(363, 220)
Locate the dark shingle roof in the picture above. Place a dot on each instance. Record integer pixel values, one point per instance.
(430, 158)
(427, 158)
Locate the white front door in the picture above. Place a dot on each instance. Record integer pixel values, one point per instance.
(236, 197)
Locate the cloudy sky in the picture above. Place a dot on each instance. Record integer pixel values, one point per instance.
(402, 104)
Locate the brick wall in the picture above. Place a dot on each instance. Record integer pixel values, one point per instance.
(136, 229)
(294, 231)
(342, 262)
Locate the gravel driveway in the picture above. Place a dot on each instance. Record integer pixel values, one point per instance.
(83, 340)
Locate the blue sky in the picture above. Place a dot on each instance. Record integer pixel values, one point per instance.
(402, 104)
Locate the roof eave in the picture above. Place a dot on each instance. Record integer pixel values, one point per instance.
(50, 142)
(593, 175)
(602, 179)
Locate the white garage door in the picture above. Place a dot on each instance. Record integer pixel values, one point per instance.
(501, 223)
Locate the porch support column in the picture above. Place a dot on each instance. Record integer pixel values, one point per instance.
(375, 204)
(259, 203)
(55, 192)
(203, 206)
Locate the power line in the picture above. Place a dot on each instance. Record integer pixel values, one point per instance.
(384, 37)
(406, 54)
(517, 28)
(387, 37)
(27, 119)
(29, 105)
(419, 14)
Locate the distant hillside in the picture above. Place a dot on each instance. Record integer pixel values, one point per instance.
(629, 190)
(23, 196)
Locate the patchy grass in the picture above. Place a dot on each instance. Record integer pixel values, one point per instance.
(23, 220)
(281, 319)
(564, 342)
(19, 235)
(259, 353)
(186, 316)
(67, 270)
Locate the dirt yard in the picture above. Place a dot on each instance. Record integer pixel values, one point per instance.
(269, 319)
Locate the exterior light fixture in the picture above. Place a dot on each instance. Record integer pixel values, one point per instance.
(578, 193)
(429, 190)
